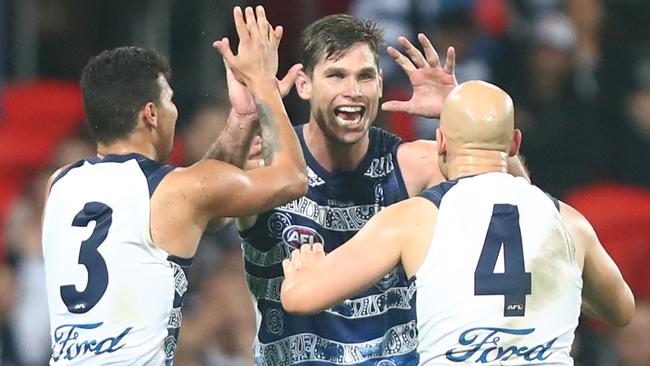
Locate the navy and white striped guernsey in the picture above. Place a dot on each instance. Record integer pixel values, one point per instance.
(375, 328)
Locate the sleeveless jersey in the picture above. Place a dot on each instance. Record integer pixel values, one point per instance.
(375, 328)
(500, 284)
(114, 295)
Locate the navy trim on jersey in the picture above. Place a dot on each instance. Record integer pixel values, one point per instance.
(435, 193)
(183, 262)
(556, 202)
(374, 134)
(154, 171)
(66, 170)
(398, 171)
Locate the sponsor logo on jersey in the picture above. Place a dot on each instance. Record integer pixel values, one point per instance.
(298, 235)
(482, 345)
(68, 343)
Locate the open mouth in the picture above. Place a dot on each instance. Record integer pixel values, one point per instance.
(348, 115)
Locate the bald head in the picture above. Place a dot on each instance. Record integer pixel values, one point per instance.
(478, 115)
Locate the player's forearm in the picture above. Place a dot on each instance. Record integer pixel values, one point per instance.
(280, 146)
(612, 302)
(297, 295)
(234, 143)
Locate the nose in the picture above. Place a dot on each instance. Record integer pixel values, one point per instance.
(353, 88)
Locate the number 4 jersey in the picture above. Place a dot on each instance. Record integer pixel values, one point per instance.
(500, 284)
(114, 295)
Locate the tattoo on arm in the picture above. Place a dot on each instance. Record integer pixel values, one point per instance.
(269, 132)
(234, 143)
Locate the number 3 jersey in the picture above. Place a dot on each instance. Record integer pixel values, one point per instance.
(114, 295)
(500, 284)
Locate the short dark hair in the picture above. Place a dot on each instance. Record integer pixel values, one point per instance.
(331, 36)
(116, 84)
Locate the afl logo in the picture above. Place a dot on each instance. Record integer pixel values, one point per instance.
(297, 235)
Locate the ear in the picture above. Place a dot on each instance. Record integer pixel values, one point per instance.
(303, 85)
(441, 142)
(381, 83)
(150, 114)
(516, 142)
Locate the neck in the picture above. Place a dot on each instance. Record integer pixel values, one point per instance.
(128, 146)
(465, 162)
(331, 154)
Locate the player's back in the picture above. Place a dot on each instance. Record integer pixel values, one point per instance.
(114, 295)
(500, 284)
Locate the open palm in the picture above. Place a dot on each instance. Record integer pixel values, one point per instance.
(431, 82)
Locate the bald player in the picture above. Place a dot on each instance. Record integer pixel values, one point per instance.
(500, 267)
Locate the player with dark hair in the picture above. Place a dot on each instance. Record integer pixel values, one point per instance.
(120, 229)
(354, 171)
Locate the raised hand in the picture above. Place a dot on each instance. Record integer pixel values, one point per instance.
(242, 101)
(431, 82)
(257, 54)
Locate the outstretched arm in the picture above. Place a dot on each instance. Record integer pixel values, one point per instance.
(234, 143)
(400, 233)
(605, 295)
(212, 189)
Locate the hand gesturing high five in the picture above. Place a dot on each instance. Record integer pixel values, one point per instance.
(257, 54)
(431, 82)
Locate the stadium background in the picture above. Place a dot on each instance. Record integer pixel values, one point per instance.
(578, 70)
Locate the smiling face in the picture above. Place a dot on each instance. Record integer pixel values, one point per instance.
(344, 94)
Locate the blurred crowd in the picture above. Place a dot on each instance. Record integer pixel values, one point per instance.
(578, 70)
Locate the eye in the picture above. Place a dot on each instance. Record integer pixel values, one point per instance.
(335, 76)
(366, 76)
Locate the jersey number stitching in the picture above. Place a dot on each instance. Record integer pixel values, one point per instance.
(81, 302)
(514, 283)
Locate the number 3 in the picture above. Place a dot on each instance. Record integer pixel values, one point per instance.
(514, 283)
(81, 302)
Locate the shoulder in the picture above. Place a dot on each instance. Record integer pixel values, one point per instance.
(575, 221)
(55, 176)
(583, 234)
(418, 150)
(204, 172)
(418, 162)
(410, 213)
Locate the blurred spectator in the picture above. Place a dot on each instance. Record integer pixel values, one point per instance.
(202, 130)
(564, 142)
(633, 140)
(8, 355)
(29, 322)
(219, 328)
(620, 215)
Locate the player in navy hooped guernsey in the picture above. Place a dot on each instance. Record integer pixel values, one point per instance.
(354, 170)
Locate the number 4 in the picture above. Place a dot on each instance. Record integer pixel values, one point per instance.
(514, 283)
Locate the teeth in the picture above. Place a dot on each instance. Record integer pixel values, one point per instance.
(345, 122)
(350, 109)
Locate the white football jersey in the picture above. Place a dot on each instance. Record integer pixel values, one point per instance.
(114, 295)
(500, 284)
